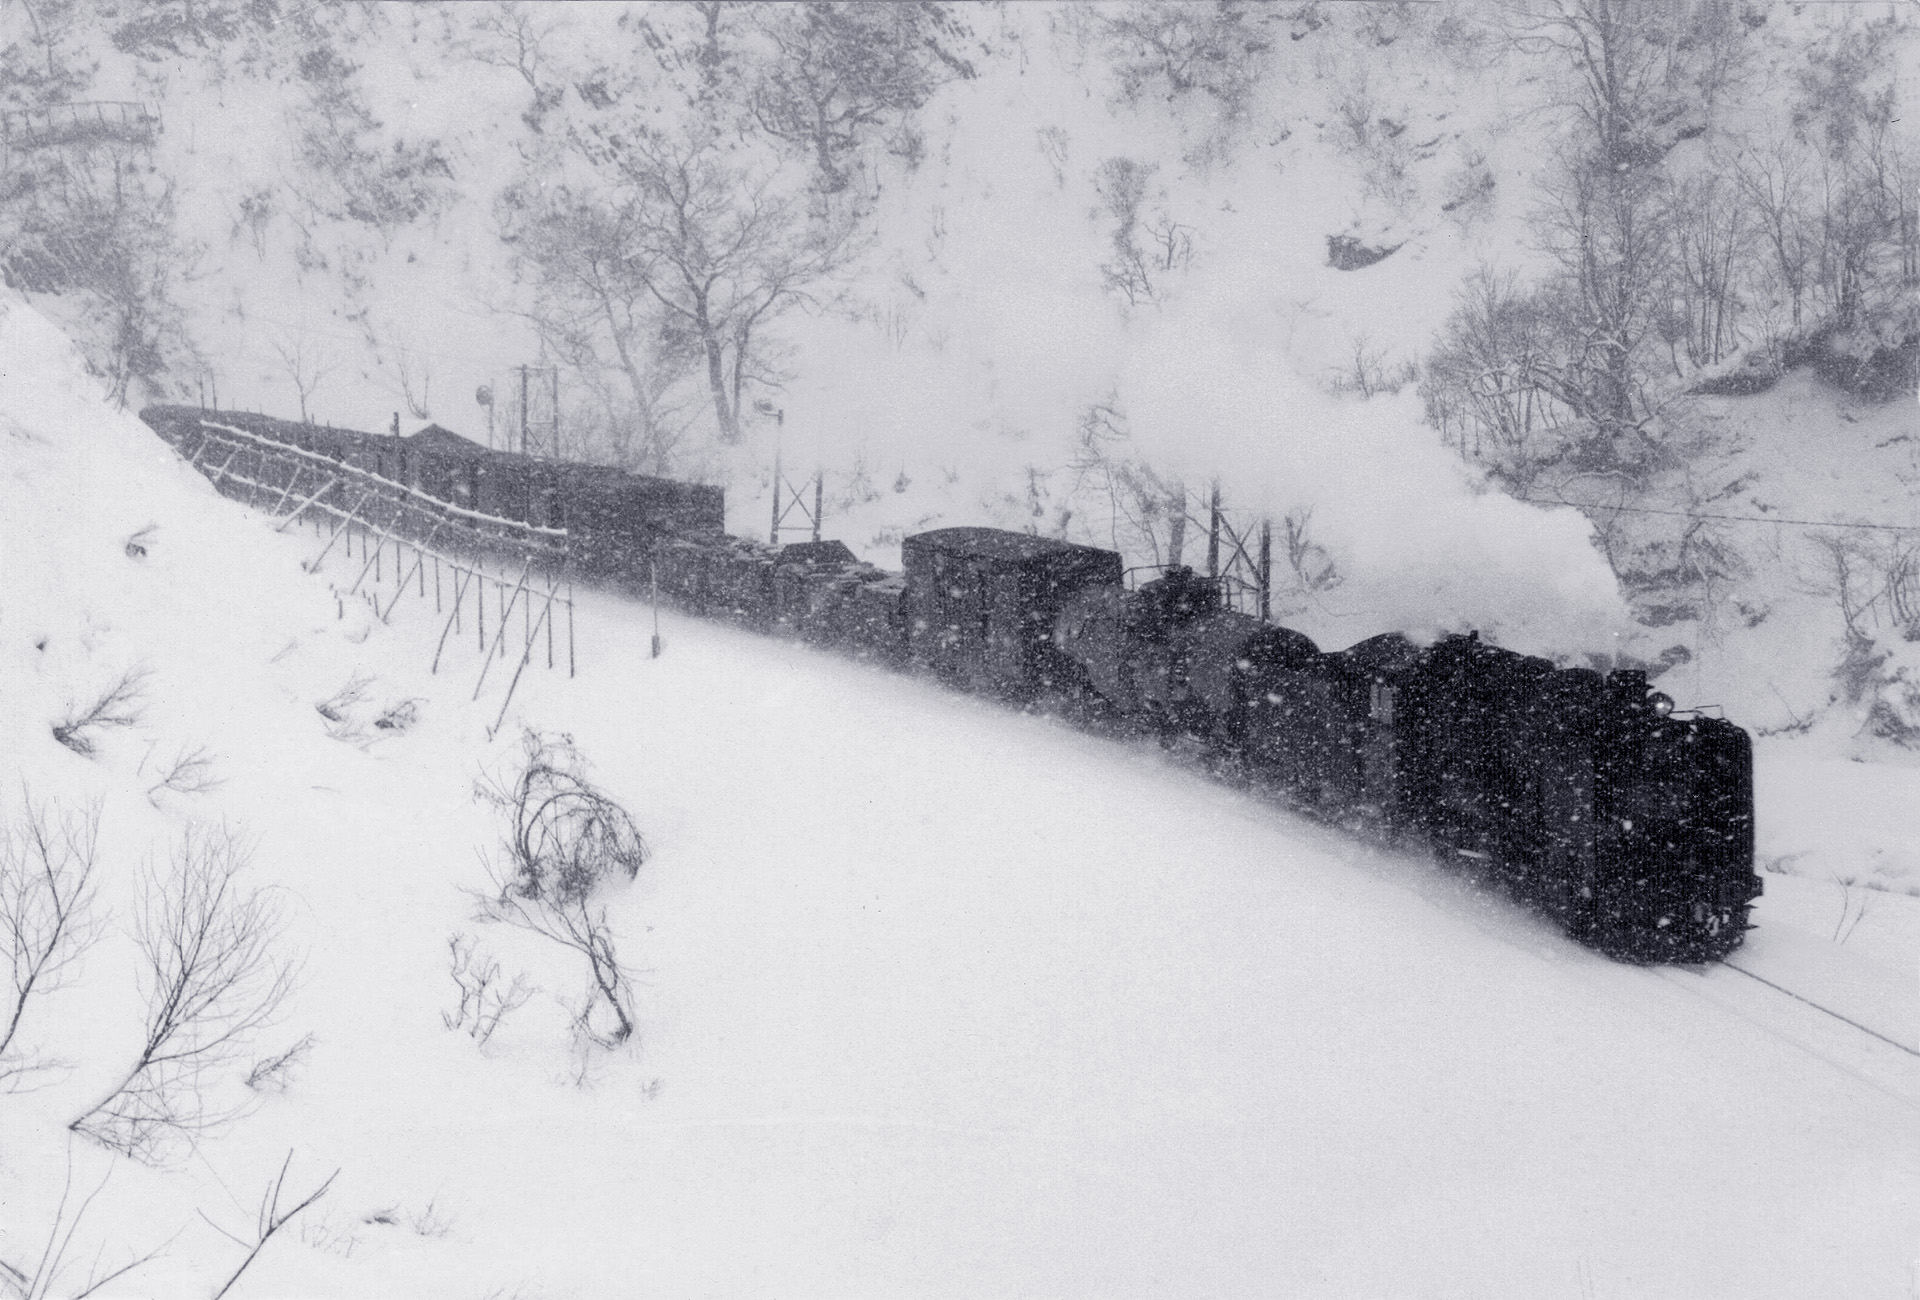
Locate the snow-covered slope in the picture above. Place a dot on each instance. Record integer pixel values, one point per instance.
(935, 999)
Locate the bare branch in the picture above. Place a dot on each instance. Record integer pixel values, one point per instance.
(47, 895)
(484, 1002)
(211, 979)
(117, 706)
(271, 1219)
(190, 771)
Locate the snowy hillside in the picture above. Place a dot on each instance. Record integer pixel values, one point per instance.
(934, 999)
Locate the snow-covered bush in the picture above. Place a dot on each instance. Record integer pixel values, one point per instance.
(565, 840)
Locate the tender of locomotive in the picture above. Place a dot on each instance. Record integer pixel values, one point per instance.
(1586, 795)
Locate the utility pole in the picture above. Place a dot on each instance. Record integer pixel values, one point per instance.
(1213, 533)
(779, 424)
(1266, 571)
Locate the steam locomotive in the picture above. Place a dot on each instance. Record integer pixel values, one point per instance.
(1588, 796)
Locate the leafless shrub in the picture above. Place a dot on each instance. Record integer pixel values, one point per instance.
(211, 979)
(1144, 511)
(398, 716)
(324, 1234)
(1145, 247)
(565, 839)
(427, 1222)
(1872, 582)
(1855, 903)
(335, 707)
(565, 836)
(117, 706)
(269, 1221)
(1367, 370)
(1312, 567)
(275, 1073)
(47, 917)
(338, 710)
(190, 771)
(484, 1000)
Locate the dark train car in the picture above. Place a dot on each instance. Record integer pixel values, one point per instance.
(981, 604)
(1369, 677)
(614, 519)
(1482, 732)
(825, 596)
(739, 580)
(806, 578)
(1170, 656)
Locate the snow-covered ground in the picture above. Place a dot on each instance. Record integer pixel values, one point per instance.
(934, 998)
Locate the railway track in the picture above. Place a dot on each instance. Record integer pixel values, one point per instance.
(1874, 1059)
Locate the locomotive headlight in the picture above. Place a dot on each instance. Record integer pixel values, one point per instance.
(1660, 703)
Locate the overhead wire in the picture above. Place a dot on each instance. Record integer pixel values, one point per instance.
(1737, 519)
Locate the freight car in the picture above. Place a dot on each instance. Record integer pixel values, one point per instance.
(614, 520)
(1586, 795)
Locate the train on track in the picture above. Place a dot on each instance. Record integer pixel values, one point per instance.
(1586, 795)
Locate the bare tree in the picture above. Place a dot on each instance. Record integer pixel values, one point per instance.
(47, 915)
(1122, 186)
(1847, 110)
(715, 243)
(512, 35)
(1606, 228)
(564, 841)
(595, 314)
(1488, 382)
(847, 69)
(1217, 48)
(1368, 371)
(1773, 177)
(1635, 78)
(306, 365)
(1711, 235)
(211, 978)
(416, 381)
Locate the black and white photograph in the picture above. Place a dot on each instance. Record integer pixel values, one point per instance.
(960, 649)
